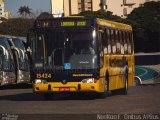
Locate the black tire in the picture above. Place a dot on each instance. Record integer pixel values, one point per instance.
(102, 95)
(48, 96)
(77, 95)
(124, 90)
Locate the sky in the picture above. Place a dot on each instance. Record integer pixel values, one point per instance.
(35, 5)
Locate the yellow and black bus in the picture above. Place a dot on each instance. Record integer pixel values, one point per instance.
(78, 54)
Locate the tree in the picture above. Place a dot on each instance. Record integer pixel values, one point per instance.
(24, 11)
(101, 14)
(146, 26)
(45, 15)
(16, 26)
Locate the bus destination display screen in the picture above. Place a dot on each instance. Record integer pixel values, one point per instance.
(63, 23)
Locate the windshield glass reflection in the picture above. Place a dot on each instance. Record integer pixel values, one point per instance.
(55, 49)
(23, 59)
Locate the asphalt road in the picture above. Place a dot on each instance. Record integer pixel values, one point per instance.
(140, 99)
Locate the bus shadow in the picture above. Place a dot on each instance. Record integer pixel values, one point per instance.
(16, 86)
(57, 97)
(21, 97)
(36, 97)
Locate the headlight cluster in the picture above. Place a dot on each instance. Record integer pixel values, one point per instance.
(88, 80)
(39, 81)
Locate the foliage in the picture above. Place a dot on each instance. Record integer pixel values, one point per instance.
(24, 11)
(145, 21)
(20, 26)
(45, 15)
(16, 26)
(101, 14)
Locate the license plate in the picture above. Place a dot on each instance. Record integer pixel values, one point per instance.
(64, 89)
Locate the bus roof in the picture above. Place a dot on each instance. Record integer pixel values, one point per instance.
(64, 22)
(79, 22)
(114, 24)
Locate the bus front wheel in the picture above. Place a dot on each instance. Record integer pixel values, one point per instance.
(124, 90)
(102, 95)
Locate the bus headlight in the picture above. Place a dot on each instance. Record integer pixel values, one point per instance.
(39, 81)
(88, 80)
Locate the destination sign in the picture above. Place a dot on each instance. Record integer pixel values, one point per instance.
(62, 23)
(72, 23)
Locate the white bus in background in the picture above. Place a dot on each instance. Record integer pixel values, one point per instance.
(7, 67)
(21, 60)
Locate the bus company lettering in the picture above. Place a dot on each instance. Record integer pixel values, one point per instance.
(116, 62)
(83, 75)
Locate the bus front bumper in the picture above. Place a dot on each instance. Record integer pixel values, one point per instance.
(68, 87)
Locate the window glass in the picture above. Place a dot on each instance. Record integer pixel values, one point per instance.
(40, 53)
(118, 46)
(104, 39)
(1, 58)
(107, 47)
(121, 42)
(18, 43)
(129, 40)
(8, 57)
(23, 59)
(101, 50)
(109, 41)
(113, 41)
(125, 43)
(57, 48)
(105, 42)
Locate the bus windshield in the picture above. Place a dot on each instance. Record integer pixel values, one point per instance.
(18, 43)
(23, 60)
(65, 49)
(6, 57)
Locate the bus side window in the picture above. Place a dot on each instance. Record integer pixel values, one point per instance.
(109, 48)
(101, 39)
(1, 58)
(101, 50)
(125, 43)
(105, 42)
(129, 43)
(113, 41)
(118, 46)
(30, 45)
(121, 42)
